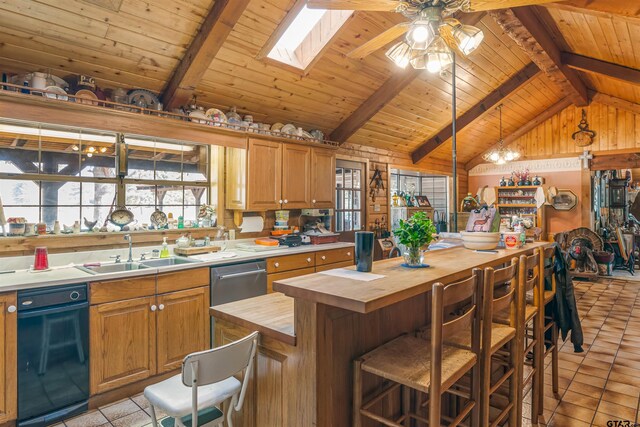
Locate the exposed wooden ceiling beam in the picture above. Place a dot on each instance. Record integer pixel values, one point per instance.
(528, 30)
(381, 97)
(475, 112)
(550, 112)
(608, 69)
(385, 93)
(616, 102)
(203, 49)
(618, 161)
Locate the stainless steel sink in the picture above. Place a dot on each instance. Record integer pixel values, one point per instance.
(164, 262)
(115, 267)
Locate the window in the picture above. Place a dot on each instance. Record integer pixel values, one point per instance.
(349, 204)
(306, 35)
(50, 174)
(435, 187)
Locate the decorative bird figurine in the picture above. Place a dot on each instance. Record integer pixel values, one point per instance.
(89, 224)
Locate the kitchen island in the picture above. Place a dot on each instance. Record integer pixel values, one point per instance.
(333, 320)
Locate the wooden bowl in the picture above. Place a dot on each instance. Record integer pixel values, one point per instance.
(480, 240)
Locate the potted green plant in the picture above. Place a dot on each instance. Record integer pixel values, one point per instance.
(414, 234)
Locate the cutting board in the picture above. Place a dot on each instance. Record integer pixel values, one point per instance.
(196, 250)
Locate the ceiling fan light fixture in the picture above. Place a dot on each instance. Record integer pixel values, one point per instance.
(420, 35)
(438, 56)
(400, 54)
(467, 38)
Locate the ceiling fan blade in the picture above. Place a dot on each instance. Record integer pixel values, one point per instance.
(379, 41)
(372, 5)
(478, 5)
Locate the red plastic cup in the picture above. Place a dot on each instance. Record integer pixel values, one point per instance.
(42, 259)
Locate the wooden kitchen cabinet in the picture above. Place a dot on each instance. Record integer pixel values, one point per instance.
(183, 326)
(286, 275)
(122, 343)
(8, 356)
(264, 175)
(296, 176)
(323, 178)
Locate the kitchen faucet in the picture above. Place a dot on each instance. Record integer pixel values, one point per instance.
(127, 237)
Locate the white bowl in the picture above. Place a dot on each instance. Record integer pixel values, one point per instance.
(480, 240)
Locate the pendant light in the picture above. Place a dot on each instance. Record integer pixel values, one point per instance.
(501, 155)
(467, 38)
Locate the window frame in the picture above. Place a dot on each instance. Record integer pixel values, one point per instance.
(345, 164)
(396, 176)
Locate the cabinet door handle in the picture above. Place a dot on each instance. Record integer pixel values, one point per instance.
(276, 264)
(12, 309)
(286, 201)
(280, 201)
(323, 257)
(308, 259)
(153, 307)
(348, 253)
(313, 201)
(161, 306)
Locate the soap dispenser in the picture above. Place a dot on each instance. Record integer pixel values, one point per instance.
(164, 252)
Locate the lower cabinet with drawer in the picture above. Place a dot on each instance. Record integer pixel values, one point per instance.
(285, 267)
(141, 327)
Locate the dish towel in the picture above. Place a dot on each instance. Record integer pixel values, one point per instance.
(540, 197)
(487, 195)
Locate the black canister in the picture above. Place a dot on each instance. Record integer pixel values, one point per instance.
(364, 251)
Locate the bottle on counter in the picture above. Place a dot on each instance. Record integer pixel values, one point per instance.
(164, 252)
(180, 221)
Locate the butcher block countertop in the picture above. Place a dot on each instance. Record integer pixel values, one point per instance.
(399, 283)
(271, 315)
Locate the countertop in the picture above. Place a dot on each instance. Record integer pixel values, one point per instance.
(69, 274)
(271, 315)
(399, 283)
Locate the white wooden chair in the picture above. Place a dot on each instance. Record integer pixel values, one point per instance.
(193, 398)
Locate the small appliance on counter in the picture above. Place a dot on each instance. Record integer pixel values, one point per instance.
(290, 240)
(316, 225)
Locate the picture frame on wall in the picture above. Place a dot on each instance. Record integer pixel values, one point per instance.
(565, 200)
(422, 201)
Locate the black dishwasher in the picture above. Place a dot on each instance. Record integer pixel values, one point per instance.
(53, 354)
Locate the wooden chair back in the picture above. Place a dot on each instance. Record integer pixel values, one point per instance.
(529, 275)
(547, 262)
(504, 278)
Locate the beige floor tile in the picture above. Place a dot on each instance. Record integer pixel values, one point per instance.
(119, 409)
(136, 419)
(90, 419)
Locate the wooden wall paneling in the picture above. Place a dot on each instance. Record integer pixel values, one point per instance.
(204, 47)
(479, 109)
(381, 199)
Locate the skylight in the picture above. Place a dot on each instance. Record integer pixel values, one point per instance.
(306, 36)
(300, 28)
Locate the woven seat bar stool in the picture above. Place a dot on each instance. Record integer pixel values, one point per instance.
(412, 366)
(549, 325)
(499, 344)
(530, 339)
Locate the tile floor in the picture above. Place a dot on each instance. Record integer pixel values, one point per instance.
(597, 386)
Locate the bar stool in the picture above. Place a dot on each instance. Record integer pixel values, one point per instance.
(547, 262)
(499, 342)
(529, 339)
(415, 366)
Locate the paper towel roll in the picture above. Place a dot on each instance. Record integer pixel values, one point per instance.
(252, 224)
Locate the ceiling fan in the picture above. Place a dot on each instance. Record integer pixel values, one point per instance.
(432, 33)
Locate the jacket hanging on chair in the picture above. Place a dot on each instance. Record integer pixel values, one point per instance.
(564, 306)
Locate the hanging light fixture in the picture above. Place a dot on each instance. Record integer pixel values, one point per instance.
(467, 38)
(400, 54)
(420, 35)
(501, 155)
(439, 56)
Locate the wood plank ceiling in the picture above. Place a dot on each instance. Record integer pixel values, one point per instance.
(138, 43)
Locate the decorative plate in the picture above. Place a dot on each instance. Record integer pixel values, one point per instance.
(317, 134)
(121, 216)
(198, 116)
(306, 134)
(144, 99)
(56, 92)
(216, 115)
(277, 127)
(233, 114)
(289, 129)
(85, 96)
(159, 219)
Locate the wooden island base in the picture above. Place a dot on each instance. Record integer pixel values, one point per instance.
(309, 383)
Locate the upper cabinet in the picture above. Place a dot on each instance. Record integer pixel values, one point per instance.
(296, 176)
(323, 178)
(273, 175)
